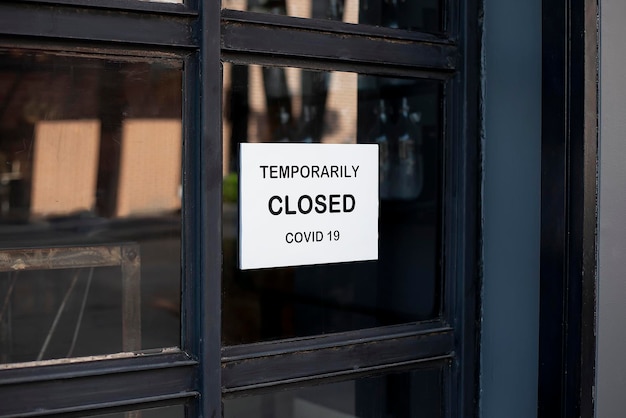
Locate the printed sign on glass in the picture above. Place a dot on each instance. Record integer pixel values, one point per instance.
(303, 204)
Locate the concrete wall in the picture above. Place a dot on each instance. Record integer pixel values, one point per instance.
(611, 349)
(512, 186)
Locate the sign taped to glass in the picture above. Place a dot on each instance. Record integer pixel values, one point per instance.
(304, 204)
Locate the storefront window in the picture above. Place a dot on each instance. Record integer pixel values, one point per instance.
(90, 199)
(121, 291)
(402, 116)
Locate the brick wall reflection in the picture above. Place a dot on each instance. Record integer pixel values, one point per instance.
(150, 171)
(88, 137)
(65, 167)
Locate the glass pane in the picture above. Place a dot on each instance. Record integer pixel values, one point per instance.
(176, 411)
(403, 117)
(416, 15)
(412, 394)
(90, 186)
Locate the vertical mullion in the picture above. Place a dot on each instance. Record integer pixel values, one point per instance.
(202, 250)
(553, 208)
(449, 271)
(590, 168)
(191, 249)
(210, 208)
(581, 264)
(470, 108)
(568, 226)
(462, 211)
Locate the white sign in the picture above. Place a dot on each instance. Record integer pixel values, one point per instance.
(304, 204)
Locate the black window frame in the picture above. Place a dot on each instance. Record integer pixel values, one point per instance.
(247, 38)
(569, 209)
(201, 35)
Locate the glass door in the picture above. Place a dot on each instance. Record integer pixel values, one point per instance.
(382, 338)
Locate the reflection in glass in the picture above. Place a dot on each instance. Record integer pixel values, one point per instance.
(90, 184)
(411, 394)
(416, 15)
(301, 106)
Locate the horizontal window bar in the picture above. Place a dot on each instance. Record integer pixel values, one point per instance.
(331, 26)
(62, 387)
(138, 5)
(67, 257)
(92, 24)
(18, 373)
(341, 47)
(380, 69)
(311, 361)
(114, 407)
(325, 378)
(270, 348)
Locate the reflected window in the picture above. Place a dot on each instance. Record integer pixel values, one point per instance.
(90, 198)
(415, 15)
(411, 394)
(402, 116)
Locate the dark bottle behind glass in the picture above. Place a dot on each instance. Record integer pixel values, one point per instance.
(380, 133)
(409, 170)
(307, 124)
(283, 133)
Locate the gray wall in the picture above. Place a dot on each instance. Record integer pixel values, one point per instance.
(611, 366)
(511, 212)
